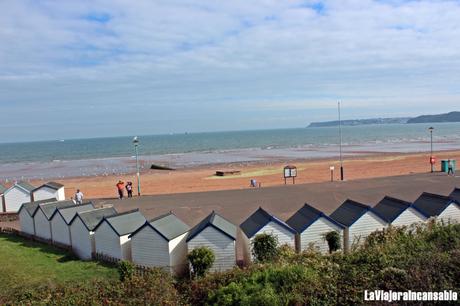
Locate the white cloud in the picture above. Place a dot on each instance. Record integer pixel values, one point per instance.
(240, 56)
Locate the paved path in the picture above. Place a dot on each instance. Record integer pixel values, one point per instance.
(283, 201)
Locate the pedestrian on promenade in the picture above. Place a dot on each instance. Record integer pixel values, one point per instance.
(120, 187)
(79, 197)
(129, 189)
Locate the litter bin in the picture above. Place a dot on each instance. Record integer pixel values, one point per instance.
(444, 165)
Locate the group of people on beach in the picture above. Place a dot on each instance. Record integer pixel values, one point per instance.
(121, 189)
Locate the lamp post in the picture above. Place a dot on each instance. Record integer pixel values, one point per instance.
(340, 146)
(136, 144)
(431, 148)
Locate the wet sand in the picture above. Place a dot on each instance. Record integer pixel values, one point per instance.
(202, 178)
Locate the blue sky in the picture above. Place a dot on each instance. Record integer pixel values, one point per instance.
(74, 69)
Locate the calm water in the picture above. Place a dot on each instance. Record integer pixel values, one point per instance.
(83, 149)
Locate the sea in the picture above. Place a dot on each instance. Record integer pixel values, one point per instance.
(115, 155)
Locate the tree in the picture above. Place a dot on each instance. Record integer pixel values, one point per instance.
(333, 241)
(265, 247)
(201, 259)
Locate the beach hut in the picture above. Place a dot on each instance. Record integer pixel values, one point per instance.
(16, 195)
(219, 235)
(312, 226)
(82, 230)
(398, 212)
(359, 221)
(26, 215)
(2, 197)
(43, 215)
(111, 235)
(161, 243)
(262, 222)
(438, 206)
(455, 195)
(60, 222)
(49, 190)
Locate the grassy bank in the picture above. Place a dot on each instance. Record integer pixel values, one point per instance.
(423, 258)
(26, 265)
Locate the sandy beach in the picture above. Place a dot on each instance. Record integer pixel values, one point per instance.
(202, 178)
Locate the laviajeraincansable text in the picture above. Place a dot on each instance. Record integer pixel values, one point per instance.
(391, 296)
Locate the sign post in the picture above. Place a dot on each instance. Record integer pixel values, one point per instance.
(332, 173)
(289, 172)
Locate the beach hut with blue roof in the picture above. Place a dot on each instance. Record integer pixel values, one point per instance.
(219, 235)
(161, 242)
(262, 222)
(359, 221)
(311, 226)
(398, 212)
(443, 208)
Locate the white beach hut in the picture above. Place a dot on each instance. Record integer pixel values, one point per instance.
(161, 243)
(312, 226)
(218, 234)
(60, 221)
(82, 230)
(359, 221)
(111, 235)
(16, 195)
(262, 222)
(442, 208)
(26, 215)
(398, 212)
(43, 215)
(49, 190)
(2, 197)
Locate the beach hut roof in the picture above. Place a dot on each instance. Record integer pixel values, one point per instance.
(218, 222)
(2, 189)
(433, 204)
(350, 211)
(258, 220)
(390, 208)
(31, 207)
(91, 218)
(124, 223)
(306, 216)
(168, 226)
(455, 194)
(52, 185)
(69, 212)
(49, 208)
(22, 185)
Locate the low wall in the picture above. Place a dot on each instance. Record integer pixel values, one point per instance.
(8, 216)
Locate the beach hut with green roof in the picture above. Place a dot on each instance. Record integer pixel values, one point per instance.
(111, 235)
(219, 235)
(26, 215)
(82, 230)
(60, 221)
(161, 243)
(42, 218)
(16, 195)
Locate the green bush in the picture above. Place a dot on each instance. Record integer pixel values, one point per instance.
(265, 247)
(333, 241)
(125, 270)
(201, 259)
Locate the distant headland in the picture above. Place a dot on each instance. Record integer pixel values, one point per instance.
(448, 117)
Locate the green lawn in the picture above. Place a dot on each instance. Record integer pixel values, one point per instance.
(25, 264)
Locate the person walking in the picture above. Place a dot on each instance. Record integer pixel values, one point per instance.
(129, 189)
(78, 197)
(120, 186)
(450, 166)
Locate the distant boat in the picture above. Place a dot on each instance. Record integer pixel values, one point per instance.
(61, 140)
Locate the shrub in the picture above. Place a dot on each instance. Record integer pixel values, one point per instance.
(201, 259)
(265, 247)
(333, 241)
(125, 270)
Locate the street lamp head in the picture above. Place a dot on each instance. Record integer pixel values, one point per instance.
(431, 129)
(135, 141)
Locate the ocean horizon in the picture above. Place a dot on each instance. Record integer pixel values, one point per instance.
(111, 155)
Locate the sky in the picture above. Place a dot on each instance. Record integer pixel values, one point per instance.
(77, 69)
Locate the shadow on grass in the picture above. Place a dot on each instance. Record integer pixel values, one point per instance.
(63, 255)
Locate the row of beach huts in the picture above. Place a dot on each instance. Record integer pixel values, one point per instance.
(166, 240)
